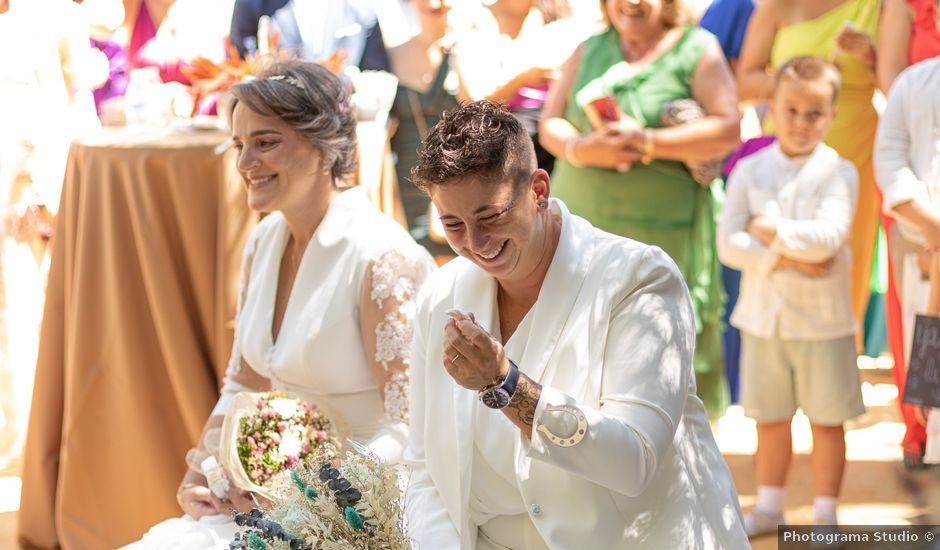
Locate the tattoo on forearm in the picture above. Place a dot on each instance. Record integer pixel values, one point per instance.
(525, 400)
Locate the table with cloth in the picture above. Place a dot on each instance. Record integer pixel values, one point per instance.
(136, 332)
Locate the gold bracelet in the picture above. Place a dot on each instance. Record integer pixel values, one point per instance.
(648, 147)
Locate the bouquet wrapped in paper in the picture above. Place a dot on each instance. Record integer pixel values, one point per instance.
(264, 436)
(354, 502)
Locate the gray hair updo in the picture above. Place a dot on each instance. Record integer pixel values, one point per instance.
(309, 99)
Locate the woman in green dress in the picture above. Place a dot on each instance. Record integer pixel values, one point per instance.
(630, 176)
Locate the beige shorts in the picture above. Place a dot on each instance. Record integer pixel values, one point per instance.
(820, 377)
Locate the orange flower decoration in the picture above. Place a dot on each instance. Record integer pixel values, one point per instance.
(208, 77)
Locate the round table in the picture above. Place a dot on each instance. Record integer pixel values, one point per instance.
(136, 334)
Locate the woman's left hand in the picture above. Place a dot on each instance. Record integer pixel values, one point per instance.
(472, 357)
(240, 500)
(858, 43)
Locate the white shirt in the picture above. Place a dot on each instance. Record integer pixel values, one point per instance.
(813, 201)
(907, 147)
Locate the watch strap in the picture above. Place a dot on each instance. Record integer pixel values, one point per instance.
(512, 380)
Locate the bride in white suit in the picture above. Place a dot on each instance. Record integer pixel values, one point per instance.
(587, 431)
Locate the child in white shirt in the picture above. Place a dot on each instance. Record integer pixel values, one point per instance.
(785, 223)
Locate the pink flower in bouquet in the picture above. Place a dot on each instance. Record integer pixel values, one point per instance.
(281, 434)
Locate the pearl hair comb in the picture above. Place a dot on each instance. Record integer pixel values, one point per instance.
(289, 79)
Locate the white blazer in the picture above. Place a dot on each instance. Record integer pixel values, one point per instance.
(611, 337)
(813, 201)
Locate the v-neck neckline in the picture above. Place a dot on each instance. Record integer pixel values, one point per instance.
(283, 238)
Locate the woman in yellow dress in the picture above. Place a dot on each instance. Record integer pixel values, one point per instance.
(844, 32)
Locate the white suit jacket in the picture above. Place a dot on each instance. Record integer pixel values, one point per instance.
(612, 337)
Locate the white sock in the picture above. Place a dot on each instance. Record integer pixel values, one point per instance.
(825, 508)
(770, 499)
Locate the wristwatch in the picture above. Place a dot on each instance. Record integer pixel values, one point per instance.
(499, 394)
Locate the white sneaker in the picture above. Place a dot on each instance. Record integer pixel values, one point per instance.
(758, 523)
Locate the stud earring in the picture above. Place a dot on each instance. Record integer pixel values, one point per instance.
(543, 205)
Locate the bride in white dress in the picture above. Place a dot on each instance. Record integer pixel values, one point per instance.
(327, 291)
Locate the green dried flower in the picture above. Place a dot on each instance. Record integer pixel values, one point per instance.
(353, 518)
(310, 493)
(255, 541)
(297, 479)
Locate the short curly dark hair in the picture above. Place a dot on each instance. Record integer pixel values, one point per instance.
(481, 139)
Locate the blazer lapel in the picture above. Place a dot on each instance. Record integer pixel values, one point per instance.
(474, 292)
(559, 292)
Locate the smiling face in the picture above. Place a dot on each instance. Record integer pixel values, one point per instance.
(631, 16)
(803, 112)
(279, 166)
(498, 226)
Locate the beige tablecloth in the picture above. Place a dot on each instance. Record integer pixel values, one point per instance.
(136, 333)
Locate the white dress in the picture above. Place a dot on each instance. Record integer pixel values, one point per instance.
(344, 338)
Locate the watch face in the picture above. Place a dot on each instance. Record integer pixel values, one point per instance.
(495, 398)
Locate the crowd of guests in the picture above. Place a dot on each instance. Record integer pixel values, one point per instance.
(622, 117)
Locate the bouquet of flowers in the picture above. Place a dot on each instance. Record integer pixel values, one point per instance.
(265, 435)
(356, 503)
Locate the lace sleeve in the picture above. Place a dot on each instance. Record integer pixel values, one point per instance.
(387, 307)
(239, 376)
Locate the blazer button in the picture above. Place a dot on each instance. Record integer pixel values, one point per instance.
(535, 510)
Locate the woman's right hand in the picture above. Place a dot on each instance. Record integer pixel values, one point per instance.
(197, 501)
(608, 147)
